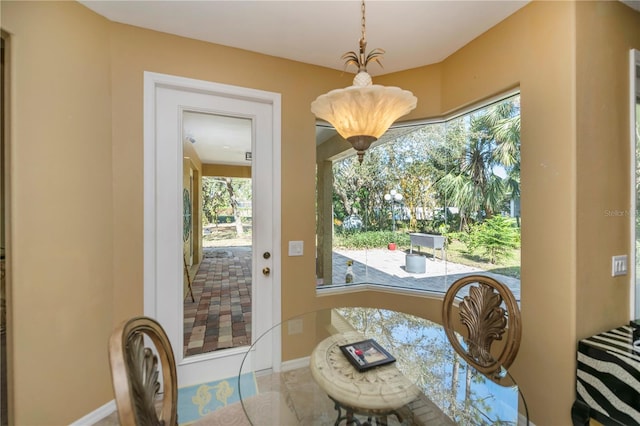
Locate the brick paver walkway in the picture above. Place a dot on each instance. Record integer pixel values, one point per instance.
(220, 317)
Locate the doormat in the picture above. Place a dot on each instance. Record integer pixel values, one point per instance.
(218, 254)
(195, 402)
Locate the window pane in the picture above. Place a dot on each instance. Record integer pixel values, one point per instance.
(429, 204)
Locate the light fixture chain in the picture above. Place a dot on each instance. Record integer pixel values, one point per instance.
(364, 22)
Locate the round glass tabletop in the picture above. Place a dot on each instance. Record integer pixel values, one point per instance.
(366, 365)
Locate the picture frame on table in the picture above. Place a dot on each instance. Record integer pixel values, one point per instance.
(366, 354)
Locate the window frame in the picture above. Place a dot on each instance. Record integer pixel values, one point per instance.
(344, 288)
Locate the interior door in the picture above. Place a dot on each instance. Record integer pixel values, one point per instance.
(166, 100)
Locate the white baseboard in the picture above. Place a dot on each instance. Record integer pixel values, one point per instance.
(522, 421)
(96, 415)
(295, 364)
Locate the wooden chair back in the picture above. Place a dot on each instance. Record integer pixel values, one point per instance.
(482, 312)
(135, 374)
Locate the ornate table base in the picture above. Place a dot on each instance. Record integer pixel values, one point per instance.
(351, 419)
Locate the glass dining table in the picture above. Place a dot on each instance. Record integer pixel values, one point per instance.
(365, 366)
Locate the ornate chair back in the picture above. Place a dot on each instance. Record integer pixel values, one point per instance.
(482, 311)
(135, 374)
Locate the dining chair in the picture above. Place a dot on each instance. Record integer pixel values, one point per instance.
(135, 374)
(487, 309)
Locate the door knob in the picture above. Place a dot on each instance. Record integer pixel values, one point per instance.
(266, 271)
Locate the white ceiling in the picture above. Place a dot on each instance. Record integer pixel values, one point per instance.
(413, 33)
(218, 139)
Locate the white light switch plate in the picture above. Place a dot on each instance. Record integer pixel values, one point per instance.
(619, 265)
(296, 248)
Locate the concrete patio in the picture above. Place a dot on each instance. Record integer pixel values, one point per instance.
(387, 267)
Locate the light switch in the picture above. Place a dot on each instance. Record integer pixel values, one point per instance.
(619, 265)
(296, 248)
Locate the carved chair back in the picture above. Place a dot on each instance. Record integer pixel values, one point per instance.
(135, 374)
(482, 312)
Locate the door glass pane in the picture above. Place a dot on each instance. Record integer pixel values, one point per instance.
(218, 211)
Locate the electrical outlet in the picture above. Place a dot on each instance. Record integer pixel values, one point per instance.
(294, 326)
(619, 265)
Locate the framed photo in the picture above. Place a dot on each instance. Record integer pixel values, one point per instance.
(366, 354)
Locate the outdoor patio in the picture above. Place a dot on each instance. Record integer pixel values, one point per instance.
(382, 266)
(220, 315)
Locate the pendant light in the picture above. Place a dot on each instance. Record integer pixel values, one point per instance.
(361, 113)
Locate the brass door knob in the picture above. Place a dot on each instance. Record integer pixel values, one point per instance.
(266, 271)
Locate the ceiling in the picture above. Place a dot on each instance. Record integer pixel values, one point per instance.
(413, 33)
(218, 139)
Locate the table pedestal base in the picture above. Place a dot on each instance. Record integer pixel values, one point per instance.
(349, 415)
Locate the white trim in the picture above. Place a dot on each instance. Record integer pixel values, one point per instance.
(156, 254)
(331, 290)
(295, 364)
(634, 90)
(149, 195)
(522, 420)
(96, 415)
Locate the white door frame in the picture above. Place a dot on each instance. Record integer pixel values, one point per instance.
(634, 92)
(160, 159)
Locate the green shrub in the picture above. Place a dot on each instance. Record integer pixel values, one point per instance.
(463, 237)
(225, 219)
(494, 238)
(370, 239)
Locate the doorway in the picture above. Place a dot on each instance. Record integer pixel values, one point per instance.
(218, 255)
(167, 99)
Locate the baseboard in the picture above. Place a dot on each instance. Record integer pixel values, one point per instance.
(294, 364)
(96, 415)
(522, 421)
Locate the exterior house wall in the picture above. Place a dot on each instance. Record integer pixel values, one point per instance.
(226, 170)
(193, 162)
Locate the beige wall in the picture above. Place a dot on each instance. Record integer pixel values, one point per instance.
(77, 188)
(226, 170)
(534, 50)
(606, 32)
(571, 64)
(61, 220)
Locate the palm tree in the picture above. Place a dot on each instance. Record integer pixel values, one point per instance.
(491, 144)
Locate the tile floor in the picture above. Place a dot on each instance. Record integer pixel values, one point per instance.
(300, 402)
(220, 316)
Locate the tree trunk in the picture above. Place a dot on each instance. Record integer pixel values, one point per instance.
(234, 208)
(454, 382)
